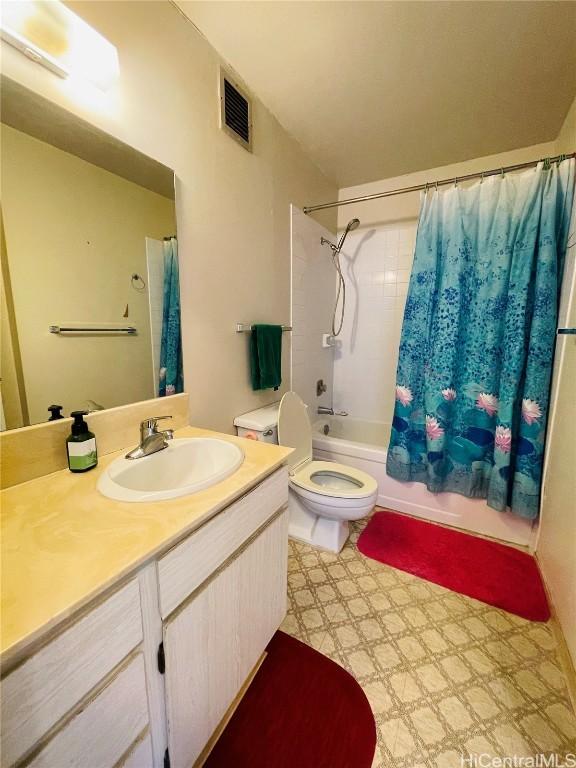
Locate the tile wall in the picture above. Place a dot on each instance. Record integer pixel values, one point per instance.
(376, 262)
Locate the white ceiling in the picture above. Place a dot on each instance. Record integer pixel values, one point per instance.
(378, 89)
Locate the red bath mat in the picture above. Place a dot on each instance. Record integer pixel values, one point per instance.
(302, 710)
(485, 570)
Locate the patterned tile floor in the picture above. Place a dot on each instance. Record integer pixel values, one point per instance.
(445, 674)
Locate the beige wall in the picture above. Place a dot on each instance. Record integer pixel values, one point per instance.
(566, 141)
(13, 414)
(556, 548)
(232, 206)
(75, 234)
(391, 210)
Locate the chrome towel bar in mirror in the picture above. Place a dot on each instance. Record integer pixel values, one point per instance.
(80, 329)
(245, 328)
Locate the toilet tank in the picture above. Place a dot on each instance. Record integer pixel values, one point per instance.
(261, 424)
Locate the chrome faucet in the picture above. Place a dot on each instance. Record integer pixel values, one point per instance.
(152, 439)
(324, 411)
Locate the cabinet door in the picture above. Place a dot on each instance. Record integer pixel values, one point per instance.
(214, 641)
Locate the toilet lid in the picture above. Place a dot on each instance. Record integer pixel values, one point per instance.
(294, 430)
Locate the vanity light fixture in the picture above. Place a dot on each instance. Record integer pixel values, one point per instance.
(50, 34)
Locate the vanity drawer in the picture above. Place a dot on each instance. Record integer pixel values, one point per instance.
(103, 731)
(186, 566)
(50, 683)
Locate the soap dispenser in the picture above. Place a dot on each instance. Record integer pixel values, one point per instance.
(81, 445)
(55, 412)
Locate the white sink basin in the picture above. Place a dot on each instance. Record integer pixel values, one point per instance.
(186, 466)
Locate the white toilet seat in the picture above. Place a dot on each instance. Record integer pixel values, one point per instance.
(338, 481)
(324, 495)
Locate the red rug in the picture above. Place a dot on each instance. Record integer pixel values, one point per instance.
(302, 710)
(485, 570)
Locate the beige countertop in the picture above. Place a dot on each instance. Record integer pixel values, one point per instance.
(63, 543)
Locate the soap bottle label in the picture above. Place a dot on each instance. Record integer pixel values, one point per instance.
(82, 455)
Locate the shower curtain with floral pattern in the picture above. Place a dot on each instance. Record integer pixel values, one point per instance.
(171, 378)
(478, 337)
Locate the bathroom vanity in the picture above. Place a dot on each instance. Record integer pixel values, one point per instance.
(130, 631)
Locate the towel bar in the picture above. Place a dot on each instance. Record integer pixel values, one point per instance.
(243, 328)
(128, 330)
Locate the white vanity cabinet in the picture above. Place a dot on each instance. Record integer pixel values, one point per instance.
(222, 597)
(143, 677)
(215, 639)
(101, 732)
(67, 675)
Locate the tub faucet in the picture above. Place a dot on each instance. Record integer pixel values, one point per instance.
(324, 411)
(152, 439)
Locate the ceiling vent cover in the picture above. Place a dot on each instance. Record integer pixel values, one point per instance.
(235, 112)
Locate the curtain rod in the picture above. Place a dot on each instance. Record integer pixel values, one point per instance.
(442, 182)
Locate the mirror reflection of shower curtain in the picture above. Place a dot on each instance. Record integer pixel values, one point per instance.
(171, 377)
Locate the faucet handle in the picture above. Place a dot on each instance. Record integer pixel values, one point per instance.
(149, 425)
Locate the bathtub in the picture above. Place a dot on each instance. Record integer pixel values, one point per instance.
(363, 444)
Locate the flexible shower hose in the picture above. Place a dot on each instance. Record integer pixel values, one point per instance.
(340, 292)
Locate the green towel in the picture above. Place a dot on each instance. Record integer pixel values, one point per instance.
(266, 356)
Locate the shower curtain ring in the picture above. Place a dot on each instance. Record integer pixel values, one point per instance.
(482, 177)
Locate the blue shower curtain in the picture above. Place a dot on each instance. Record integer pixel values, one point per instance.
(478, 337)
(171, 378)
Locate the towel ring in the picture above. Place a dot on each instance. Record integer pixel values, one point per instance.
(138, 282)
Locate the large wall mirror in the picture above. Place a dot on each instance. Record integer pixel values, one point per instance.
(90, 306)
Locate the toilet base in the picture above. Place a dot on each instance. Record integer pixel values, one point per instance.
(322, 532)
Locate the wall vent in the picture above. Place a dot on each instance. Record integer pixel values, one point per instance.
(235, 112)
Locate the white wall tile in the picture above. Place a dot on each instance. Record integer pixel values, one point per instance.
(377, 263)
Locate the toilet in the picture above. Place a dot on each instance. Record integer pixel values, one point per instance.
(324, 495)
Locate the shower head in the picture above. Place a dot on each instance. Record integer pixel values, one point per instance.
(350, 227)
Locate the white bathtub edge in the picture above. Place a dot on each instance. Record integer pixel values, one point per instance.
(472, 515)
